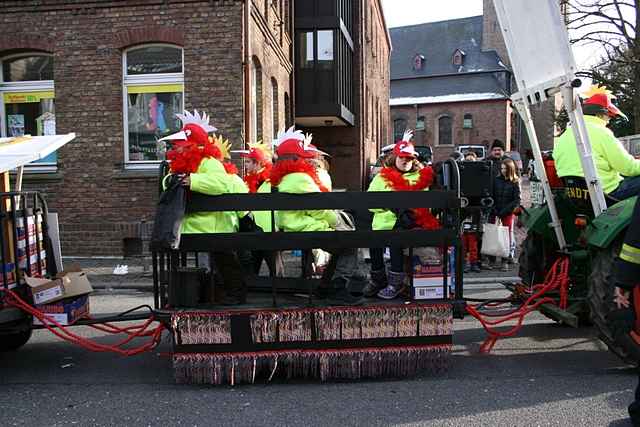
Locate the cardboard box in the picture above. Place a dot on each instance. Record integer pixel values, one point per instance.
(72, 282)
(428, 275)
(66, 311)
(427, 292)
(11, 276)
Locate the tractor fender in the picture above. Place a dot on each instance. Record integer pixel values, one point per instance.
(606, 227)
(536, 219)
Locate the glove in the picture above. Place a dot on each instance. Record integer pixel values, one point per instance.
(248, 224)
(405, 219)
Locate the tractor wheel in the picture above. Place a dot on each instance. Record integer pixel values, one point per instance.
(600, 296)
(14, 341)
(532, 251)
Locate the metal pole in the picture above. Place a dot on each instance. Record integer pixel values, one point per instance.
(525, 113)
(574, 109)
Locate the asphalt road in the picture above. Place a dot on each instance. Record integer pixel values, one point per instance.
(547, 375)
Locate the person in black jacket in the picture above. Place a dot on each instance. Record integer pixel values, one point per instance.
(624, 321)
(506, 198)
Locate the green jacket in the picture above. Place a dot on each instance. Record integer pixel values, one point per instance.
(610, 157)
(315, 220)
(384, 219)
(212, 179)
(263, 218)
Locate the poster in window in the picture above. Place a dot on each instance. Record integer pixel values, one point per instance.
(15, 123)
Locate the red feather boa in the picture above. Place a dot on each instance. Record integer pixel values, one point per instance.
(255, 180)
(285, 167)
(185, 156)
(395, 179)
(230, 168)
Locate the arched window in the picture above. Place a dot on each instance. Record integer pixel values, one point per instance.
(256, 105)
(274, 108)
(27, 100)
(445, 133)
(153, 88)
(399, 126)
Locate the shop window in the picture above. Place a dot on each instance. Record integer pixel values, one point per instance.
(153, 95)
(27, 100)
(420, 123)
(445, 134)
(399, 126)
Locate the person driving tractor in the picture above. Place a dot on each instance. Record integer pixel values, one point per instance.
(611, 159)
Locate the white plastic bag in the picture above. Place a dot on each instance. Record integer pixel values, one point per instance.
(495, 240)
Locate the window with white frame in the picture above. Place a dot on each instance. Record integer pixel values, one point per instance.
(27, 100)
(153, 88)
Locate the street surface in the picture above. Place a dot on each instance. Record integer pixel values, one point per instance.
(547, 375)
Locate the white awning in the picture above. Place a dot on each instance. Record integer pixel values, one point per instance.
(18, 151)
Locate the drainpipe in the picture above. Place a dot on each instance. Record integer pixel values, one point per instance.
(247, 73)
(292, 76)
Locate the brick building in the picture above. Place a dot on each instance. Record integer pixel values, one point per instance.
(447, 87)
(343, 97)
(116, 72)
(451, 80)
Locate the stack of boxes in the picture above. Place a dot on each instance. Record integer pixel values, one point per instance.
(428, 277)
(30, 253)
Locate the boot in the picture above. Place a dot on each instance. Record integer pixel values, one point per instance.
(467, 267)
(377, 283)
(475, 267)
(485, 263)
(395, 286)
(342, 296)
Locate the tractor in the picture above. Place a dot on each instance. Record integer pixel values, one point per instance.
(570, 217)
(592, 244)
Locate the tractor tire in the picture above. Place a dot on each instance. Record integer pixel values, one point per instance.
(14, 341)
(600, 296)
(529, 266)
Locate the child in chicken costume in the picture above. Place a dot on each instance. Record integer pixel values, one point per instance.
(199, 158)
(294, 172)
(258, 162)
(404, 173)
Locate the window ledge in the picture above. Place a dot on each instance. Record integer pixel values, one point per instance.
(136, 173)
(40, 174)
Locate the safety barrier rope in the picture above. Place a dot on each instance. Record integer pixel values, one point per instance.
(557, 279)
(63, 332)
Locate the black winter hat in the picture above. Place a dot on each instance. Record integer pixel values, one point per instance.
(497, 144)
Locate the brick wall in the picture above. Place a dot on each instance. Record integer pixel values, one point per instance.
(270, 46)
(491, 120)
(99, 203)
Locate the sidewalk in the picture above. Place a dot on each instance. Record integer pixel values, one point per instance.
(140, 276)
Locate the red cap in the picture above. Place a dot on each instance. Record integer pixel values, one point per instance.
(405, 149)
(254, 154)
(294, 147)
(604, 101)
